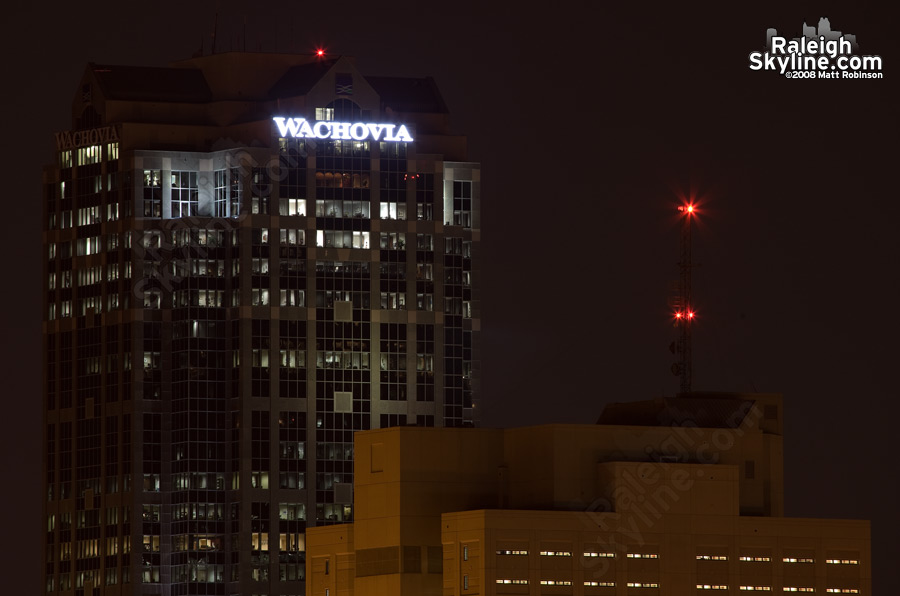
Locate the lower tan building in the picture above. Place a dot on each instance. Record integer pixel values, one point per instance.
(646, 502)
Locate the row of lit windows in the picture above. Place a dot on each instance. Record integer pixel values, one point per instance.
(85, 246)
(557, 582)
(786, 589)
(88, 155)
(185, 200)
(609, 555)
(698, 557)
(784, 560)
(288, 237)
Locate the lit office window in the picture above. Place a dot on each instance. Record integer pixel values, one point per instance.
(152, 193)
(391, 210)
(235, 181)
(292, 207)
(462, 203)
(185, 194)
(87, 155)
(220, 199)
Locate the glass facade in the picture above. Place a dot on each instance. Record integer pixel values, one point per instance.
(219, 324)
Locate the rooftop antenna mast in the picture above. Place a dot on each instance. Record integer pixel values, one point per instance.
(215, 31)
(684, 313)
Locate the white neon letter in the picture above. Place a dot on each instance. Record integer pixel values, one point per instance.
(359, 131)
(291, 126)
(318, 130)
(305, 130)
(403, 134)
(376, 130)
(340, 130)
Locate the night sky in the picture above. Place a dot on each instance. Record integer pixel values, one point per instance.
(589, 122)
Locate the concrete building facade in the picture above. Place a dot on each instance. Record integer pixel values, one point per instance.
(671, 497)
(248, 257)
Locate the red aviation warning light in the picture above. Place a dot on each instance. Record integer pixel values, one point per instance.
(685, 315)
(320, 53)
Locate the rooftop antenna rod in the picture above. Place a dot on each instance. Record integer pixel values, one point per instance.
(215, 30)
(684, 314)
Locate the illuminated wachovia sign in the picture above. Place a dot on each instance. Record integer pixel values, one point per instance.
(356, 131)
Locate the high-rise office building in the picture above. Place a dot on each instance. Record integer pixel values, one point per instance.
(248, 257)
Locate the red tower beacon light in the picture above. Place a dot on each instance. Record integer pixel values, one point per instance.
(320, 53)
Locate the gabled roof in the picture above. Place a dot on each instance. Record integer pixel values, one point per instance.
(703, 412)
(298, 80)
(404, 94)
(146, 83)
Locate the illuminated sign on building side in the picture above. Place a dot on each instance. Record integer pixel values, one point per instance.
(356, 131)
